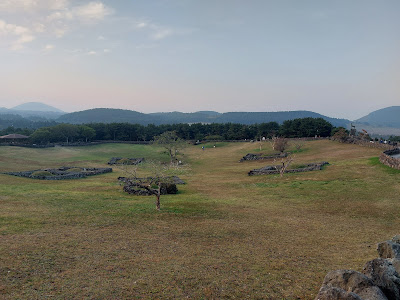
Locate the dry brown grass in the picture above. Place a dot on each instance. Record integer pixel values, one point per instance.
(225, 235)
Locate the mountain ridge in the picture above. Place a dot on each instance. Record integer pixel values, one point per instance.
(384, 117)
(36, 106)
(111, 115)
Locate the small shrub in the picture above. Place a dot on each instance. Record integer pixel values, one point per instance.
(280, 144)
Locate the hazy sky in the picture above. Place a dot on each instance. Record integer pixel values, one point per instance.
(340, 58)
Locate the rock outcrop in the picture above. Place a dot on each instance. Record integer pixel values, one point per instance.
(260, 156)
(61, 173)
(380, 279)
(125, 161)
(267, 170)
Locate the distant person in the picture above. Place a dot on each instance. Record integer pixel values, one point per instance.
(202, 147)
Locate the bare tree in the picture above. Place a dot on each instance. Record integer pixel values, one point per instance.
(280, 144)
(285, 162)
(298, 144)
(157, 182)
(171, 143)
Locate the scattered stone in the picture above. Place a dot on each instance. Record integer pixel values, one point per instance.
(61, 173)
(177, 180)
(388, 158)
(267, 170)
(259, 156)
(125, 161)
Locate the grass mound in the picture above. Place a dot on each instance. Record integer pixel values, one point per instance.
(41, 174)
(124, 161)
(74, 170)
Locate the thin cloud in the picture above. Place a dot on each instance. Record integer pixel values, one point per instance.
(44, 17)
(92, 12)
(16, 35)
(48, 47)
(161, 33)
(156, 32)
(31, 6)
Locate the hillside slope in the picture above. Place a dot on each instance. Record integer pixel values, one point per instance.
(385, 117)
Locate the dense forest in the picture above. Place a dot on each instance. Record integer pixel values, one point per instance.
(66, 133)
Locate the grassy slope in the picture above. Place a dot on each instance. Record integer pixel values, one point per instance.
(224, 235)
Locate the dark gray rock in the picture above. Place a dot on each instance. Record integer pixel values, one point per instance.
(389, 249)
(260, 156)
(63, 173)
(334, 293)
(267, 170)
(355, 282)
(384, 275)
(396, 239)
(125, 161)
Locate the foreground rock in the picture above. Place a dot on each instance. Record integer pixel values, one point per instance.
(380, 279)
(384, 276)
(350, 284)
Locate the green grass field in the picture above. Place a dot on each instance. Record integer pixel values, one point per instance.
(224, 235)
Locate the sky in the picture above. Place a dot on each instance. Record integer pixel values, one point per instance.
(339, 58)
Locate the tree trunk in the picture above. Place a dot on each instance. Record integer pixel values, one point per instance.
(158, 202)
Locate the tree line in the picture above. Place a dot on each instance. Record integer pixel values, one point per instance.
(66, 133)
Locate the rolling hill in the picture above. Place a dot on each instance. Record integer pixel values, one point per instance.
(385, 117)
(108, 115)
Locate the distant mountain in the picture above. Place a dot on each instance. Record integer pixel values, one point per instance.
(36, 106)
(108, 115)
(385, 117)
(33, 110)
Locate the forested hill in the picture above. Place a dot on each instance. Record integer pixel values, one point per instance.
(108, 115)
(386, 117)
(279, 117)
